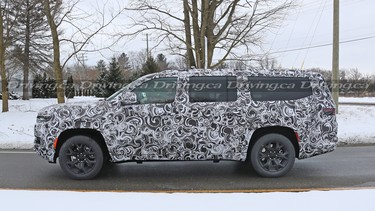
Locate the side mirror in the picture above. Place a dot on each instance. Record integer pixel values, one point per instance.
(128, 98)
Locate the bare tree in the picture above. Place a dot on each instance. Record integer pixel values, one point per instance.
(238, 64)
(354, 74)
(50, 13)
(68, 13)
(137, 59)
(8, 18)
(2, 62)
(181, 62)
(202, 29)
(267, 62)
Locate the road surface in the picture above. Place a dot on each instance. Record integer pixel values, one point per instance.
(346, 167)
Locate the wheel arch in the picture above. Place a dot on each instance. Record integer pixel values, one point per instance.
(92, 133)
(285, 131)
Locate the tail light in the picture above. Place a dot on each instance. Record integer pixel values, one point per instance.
(329, 111)
(55, 143)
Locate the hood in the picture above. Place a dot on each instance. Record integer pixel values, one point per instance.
(66, 109)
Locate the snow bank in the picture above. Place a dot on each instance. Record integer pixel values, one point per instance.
(63, 200)
(357, 100)
(17, 125)
(17, 130)
(356, 123)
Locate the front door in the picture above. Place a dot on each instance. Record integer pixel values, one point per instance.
(148, 124)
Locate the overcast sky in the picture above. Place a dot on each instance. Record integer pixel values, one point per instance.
(310, 25)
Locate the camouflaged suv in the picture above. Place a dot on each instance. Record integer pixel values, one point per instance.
(268, 118)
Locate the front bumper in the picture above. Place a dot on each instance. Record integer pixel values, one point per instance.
(43, 142)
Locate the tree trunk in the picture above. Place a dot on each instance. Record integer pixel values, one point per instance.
(209, 26)
(202, 34)
(26, 56)
(56, 53)
(210, 33)
(199, 57)
(189, 49)
(4, 82)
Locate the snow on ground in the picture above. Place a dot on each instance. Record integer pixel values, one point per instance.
(356, 123)
(357, 100)
(17, 125)
(67, 200)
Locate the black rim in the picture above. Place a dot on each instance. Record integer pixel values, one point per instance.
(81, 158)
(273, 156)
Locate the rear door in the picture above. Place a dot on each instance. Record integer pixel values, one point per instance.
(213, 117)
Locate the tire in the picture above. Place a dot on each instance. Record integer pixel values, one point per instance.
(272, 155)
(80, 157)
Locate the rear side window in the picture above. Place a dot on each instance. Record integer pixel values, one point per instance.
(279, 88)
(212, 89)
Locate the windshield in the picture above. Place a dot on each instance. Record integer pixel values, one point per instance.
(114, 95)
(127, 87)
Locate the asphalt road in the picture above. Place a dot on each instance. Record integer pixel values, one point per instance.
(347, 167)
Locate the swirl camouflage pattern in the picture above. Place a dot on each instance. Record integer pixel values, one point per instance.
(178, 129)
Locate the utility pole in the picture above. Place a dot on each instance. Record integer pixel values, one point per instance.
(335, 54)
(83, 59)
(147, 52)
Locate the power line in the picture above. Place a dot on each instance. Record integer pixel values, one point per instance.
(322, 45)
(310, 28)
(292, 32)
(309, 47)
(312, 38)
(278, 30)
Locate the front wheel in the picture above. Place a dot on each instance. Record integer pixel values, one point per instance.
(81, 157)
(272, 155)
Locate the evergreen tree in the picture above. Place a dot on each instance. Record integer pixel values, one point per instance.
(100, 83)
(69, 88)
(150, 66)
(123, 62)
(161, 61)
(51, 88)
(125, 67)
(32, 33)
(36, 91)
(44, 86)
(101, 66)
(114, 78)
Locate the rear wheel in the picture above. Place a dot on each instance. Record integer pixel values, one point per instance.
(81, 157)
(272, 155)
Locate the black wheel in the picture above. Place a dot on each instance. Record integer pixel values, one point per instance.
(272, 155)
(80, 157)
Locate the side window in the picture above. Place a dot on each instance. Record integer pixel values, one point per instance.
(279, 88)
(212, 89)
(158, 90)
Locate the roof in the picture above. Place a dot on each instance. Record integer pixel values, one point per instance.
(235, 72)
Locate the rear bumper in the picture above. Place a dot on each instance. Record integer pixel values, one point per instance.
(310, 150)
